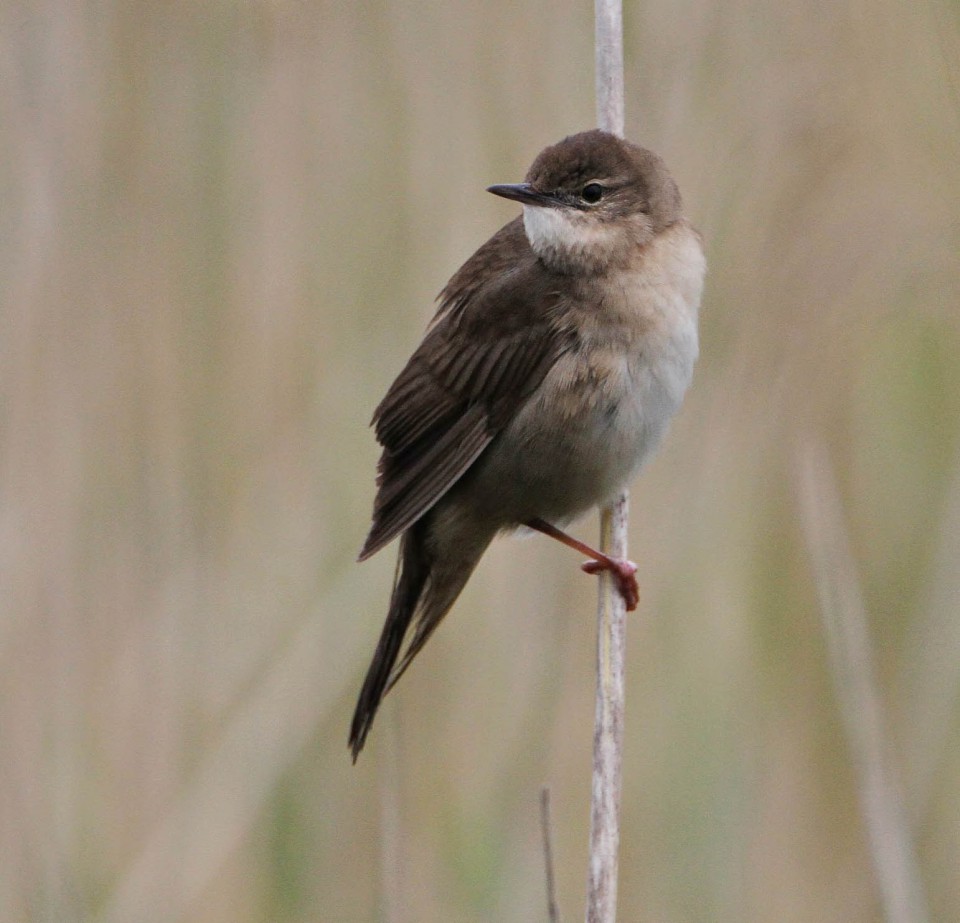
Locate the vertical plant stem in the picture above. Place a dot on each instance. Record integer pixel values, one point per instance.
(611, 611)
(391, 840)
(850, 657)
(546, 828)
(608, 727)
(608, 38)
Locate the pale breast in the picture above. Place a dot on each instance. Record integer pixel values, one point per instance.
(603, 407)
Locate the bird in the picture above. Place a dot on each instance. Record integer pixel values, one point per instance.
(555, 360)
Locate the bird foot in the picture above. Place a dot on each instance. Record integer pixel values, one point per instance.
(624, 572)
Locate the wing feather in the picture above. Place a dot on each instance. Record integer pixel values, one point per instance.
(495, 336)
(411, 486)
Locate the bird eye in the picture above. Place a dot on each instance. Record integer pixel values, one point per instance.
(592, 193)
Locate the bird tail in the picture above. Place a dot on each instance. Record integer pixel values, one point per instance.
(423, 592)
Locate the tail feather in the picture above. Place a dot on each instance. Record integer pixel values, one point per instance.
(413, 569)
(426, 585)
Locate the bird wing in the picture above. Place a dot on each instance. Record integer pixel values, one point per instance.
(494, 338)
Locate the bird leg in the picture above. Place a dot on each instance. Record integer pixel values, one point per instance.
(623, 571)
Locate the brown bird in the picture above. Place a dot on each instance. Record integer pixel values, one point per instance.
(559, 353)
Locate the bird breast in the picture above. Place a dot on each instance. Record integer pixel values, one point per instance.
(605, 405)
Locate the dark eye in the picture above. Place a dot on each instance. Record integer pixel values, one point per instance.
(592, 193)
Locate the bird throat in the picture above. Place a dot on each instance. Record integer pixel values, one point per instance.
(571, 241)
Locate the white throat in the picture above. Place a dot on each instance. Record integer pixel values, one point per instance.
(567, 239)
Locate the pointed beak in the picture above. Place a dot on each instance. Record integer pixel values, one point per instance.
(524, 193)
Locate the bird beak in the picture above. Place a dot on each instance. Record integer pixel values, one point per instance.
(524, 193)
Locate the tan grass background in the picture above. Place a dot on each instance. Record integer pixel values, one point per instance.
(223, 225)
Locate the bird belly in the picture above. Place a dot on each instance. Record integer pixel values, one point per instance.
(582, 436)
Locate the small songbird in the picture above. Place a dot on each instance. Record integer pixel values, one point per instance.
(559, 353)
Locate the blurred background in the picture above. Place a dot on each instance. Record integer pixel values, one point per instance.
(223, 227)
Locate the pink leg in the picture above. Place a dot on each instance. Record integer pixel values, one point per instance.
(623, 571)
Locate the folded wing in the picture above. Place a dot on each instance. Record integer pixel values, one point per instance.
(495, 336)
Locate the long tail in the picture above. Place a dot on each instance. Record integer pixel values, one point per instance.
(424, 589)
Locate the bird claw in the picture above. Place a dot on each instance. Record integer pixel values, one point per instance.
(624, 572)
